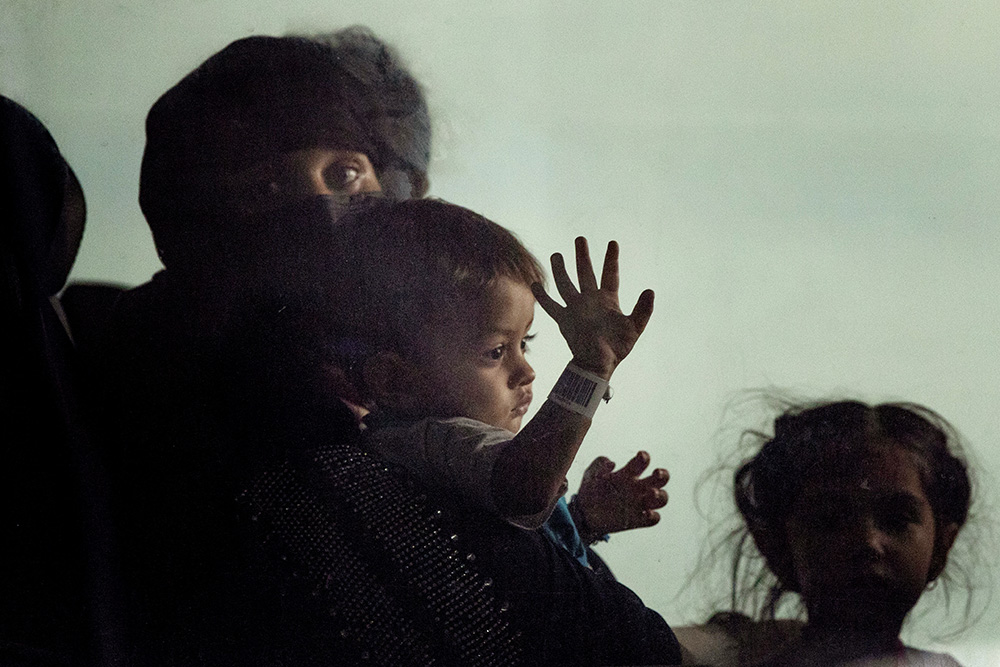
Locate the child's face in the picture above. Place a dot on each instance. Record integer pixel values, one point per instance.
(474, 363)
(863, 546)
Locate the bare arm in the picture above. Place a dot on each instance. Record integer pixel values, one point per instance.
(529, 473)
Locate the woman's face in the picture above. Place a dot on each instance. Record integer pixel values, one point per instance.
(294, 175)
(865, 546)
(274, 230)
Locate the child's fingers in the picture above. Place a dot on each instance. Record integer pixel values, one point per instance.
(563, 283)
(584, 269)
(657, 479)
(643, 309)
(647, 519)
(548, 304)
(635, 466)
(609, 274)
(599, 467)
(657, 499)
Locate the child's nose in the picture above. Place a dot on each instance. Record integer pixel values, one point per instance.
(523, 374)
(869, 537)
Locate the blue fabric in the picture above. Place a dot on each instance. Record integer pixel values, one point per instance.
(561, 530)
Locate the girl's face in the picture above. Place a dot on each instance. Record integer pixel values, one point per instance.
(865, 546)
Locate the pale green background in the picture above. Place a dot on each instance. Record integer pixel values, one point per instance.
(810, 187)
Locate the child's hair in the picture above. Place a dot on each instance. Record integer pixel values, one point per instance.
(833, 439)
(406, 264)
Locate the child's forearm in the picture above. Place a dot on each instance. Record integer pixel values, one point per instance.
(529, 473)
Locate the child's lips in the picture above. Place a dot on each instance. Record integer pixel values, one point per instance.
(870, 579)
(522, 406)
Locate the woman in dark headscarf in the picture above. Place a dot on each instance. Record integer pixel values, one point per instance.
(49, 488)
(247, 162)
(327, 557)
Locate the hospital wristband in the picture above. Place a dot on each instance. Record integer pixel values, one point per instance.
(580, 391)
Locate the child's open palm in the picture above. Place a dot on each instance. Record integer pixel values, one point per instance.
(612, 500)
(598, 333)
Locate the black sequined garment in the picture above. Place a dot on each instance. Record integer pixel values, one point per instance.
(372, 550)
(407, 576)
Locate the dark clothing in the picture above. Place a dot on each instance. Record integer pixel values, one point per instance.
(425, 571)
(259, 531)
(179, 410)
(56, 590)
(567, 614)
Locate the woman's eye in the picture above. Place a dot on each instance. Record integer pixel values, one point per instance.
(340, 176)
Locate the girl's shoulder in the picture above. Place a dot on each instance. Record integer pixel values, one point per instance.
(730, 639)
(915, 657)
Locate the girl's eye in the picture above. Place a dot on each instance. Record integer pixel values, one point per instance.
(524, 342)
(893, 524)
(827, 519)
(897, 520)
(496, 354)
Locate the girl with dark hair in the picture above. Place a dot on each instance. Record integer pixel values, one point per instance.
(854, 508)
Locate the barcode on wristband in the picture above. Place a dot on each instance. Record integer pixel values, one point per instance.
(574, 388)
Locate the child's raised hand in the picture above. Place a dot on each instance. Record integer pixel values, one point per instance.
(598, 333)
(610, 501)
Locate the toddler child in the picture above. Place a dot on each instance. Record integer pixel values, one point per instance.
(854, 508)
(438, 303)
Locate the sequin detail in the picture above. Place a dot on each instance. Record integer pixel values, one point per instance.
(324, 509)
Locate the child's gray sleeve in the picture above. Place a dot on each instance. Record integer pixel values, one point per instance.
(457, 454)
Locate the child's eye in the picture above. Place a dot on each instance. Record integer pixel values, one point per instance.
(496, 354)
(894, 524)
(897, 514)
(827, 519)
(524, 342)
(897, 521)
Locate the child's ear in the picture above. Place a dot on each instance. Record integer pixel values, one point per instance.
(943, 539)
(390, 380)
